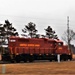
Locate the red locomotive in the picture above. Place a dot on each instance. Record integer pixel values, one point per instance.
(30, 49)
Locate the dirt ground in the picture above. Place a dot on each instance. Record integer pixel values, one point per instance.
(39, 68)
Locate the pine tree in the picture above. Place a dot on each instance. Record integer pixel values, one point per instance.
(50, 33)
(31, 29)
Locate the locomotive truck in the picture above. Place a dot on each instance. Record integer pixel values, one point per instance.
(30, 49)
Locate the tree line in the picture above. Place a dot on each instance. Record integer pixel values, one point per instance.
(32, 31)
(7, 30)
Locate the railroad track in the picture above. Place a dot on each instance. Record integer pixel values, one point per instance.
(36, 61)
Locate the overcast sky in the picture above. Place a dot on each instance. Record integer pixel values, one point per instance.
(41, 12)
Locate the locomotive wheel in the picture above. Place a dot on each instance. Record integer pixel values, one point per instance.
(70, 57)
(50, 60)
(25, 60)
(12, 61)
(31, 58)
(55, 59)
(17, 61)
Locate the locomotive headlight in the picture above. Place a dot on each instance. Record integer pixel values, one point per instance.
(60, 48)
(17, 53)
(12, 40)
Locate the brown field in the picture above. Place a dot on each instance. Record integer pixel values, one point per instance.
(40, 68)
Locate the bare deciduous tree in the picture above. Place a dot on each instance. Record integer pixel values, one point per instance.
(68, 38)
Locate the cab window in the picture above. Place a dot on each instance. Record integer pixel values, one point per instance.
(60, 44)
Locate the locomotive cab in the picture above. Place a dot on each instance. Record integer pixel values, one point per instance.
(63, 50)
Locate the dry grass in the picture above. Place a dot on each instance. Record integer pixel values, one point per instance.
(40, 68)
